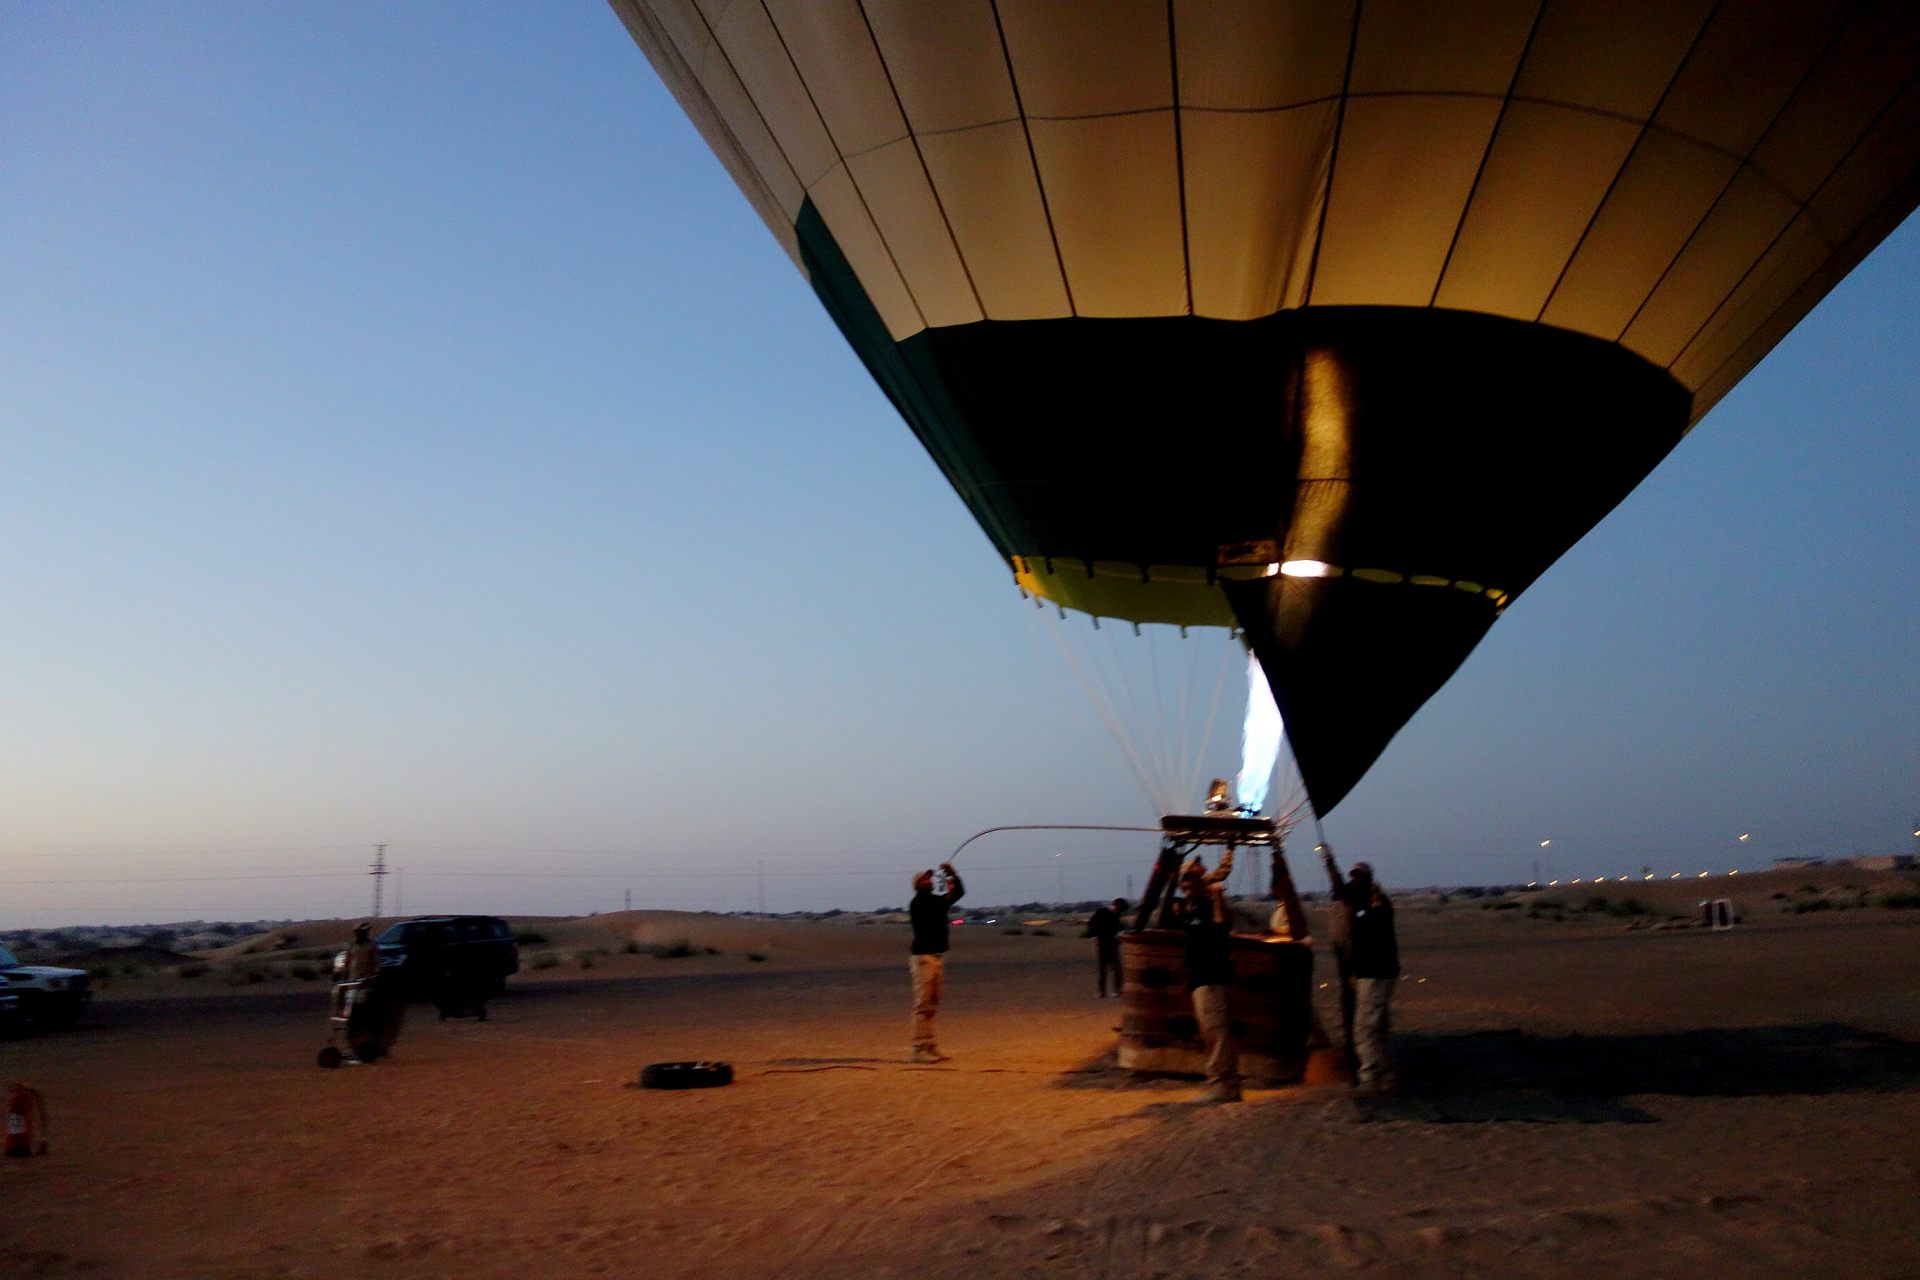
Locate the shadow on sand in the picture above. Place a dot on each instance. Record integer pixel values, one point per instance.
(1516, 1076)
(1512, 1075)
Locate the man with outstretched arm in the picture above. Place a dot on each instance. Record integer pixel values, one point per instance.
(929, 913)
(1368, 956)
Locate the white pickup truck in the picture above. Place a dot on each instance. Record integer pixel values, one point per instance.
(47, 995)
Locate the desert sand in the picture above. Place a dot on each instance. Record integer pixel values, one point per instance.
(1581, 1099)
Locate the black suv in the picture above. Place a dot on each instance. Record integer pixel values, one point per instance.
(425, 952)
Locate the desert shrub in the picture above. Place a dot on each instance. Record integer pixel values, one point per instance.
(1811, 904)
(304, 972)
(584, 959)
(674, 950)
(545, 960)
(632, 948)
(1629, 907)
(1596, 905)
(1013, 930)
(1549, 904)
(757, 957)
(1905, 900)
(1043, 933)
(1779, 895)
(194, 970)
(528, 938)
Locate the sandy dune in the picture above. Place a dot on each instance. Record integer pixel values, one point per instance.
(1583, 1100)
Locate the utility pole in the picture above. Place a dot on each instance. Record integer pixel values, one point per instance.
(763, 886)
(629, 905)
(379, 874)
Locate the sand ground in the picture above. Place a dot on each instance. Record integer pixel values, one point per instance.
(1582, 1101)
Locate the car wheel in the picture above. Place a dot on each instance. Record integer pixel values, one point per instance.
(62, 1013)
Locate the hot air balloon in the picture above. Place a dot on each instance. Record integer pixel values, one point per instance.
(1335, 322)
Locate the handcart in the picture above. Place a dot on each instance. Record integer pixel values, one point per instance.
(363, 1023)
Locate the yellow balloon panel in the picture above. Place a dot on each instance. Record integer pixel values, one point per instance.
(1683, 177)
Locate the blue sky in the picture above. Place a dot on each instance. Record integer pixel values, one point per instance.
(411, 435)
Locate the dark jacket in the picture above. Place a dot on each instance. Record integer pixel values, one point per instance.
(928, 911)
(1208, 963)
(1364, 944)
(1104, 927)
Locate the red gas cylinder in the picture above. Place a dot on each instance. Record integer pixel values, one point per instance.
(26, 1121)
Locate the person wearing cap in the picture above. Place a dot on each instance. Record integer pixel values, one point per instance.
(1208, 926)
(363, 954)
(368, 1011)
(1367, 955)
(929, 913)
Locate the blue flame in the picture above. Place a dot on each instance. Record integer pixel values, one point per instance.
(1259, 740)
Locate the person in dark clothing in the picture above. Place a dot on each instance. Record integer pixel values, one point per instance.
(1208, 926)
(1103, 926)
(1367, 955)
(928, 912)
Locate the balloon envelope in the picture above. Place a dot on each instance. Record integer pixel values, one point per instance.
(1401, 296)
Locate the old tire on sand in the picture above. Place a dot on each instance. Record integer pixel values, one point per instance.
(686, 1075)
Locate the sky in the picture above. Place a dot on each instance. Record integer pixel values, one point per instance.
(409, 435)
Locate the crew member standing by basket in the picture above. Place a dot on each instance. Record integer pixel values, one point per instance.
(1103, 926)
(1367, 953)
(928, 911)
(1209, 925)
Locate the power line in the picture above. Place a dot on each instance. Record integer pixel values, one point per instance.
(191, 853)
(277, 875)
